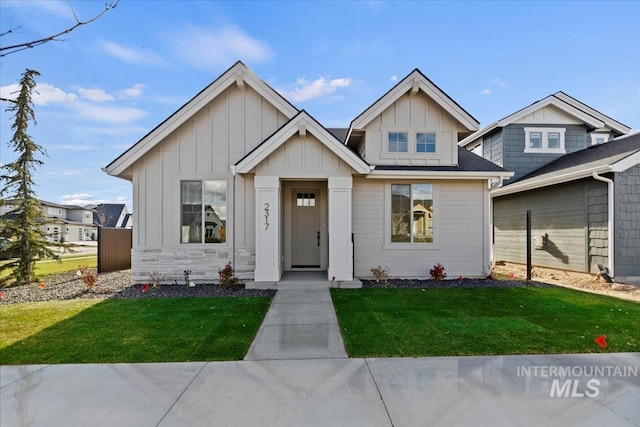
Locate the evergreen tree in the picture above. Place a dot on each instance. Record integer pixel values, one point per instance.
(23, 221)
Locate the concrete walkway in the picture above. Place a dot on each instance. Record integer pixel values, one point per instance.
(442, 391)
(300, 324)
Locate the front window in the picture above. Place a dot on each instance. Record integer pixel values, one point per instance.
(398, 142)
(425, 143)
(411, 213)
(203, 211)
(535, 140)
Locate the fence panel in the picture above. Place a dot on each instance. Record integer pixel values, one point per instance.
(114, 249)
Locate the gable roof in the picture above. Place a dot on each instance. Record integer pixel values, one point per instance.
(413, 82)
(616, 155)
(238, 74)
(302, 123)
(564, 102)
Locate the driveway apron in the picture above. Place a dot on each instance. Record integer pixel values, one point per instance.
(300, 324)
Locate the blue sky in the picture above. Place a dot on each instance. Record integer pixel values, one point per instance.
(109, 83)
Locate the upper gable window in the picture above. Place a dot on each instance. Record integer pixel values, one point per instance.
(425, 142)
(398, 142)
(544, 140)
(599, 138)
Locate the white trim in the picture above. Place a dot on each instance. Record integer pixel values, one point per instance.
(230, 77)
(412, 174)
(254, 158)
(596, 135)
(408, 84)
(608, 121)
(571, 108)
(626, 163)
(544, 140)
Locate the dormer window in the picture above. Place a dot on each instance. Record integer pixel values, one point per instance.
(544, 140)
(398, 142)
(599, 138)
(425, 142)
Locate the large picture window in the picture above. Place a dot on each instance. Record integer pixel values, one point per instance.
(203, 215)
(411, 213)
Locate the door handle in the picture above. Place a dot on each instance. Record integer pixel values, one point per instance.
(318, 238)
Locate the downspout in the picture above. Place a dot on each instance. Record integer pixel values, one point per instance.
(233, 218)
(610, 222)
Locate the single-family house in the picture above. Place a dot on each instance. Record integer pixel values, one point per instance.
(239, 175)
(63, 223)
(577, 170)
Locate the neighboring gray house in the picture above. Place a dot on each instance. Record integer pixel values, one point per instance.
(580, 179)
(393, 189)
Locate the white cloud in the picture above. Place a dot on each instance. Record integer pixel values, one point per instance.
(81, 199)
(95, 95)
(305, 90)
(43, 94)
(134, 91)
(500, 82)
(132, 56)
(212, 50)
(485, 92)
(394, 78)
(108, 114)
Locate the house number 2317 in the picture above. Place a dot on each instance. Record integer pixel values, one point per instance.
(266, 216)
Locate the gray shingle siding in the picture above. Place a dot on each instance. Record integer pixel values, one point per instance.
(627, 236)
(515, 159)
(598, 213)
(492, 147)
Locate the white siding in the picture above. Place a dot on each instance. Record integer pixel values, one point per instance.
(413, 114)
(204, 147)
(460, 226)
(549, 115)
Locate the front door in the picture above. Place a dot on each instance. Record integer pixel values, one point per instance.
(305, 228)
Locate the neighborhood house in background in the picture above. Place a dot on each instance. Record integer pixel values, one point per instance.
(578, 172)
(240, 175)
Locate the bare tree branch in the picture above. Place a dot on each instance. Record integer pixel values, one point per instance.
(8, 50)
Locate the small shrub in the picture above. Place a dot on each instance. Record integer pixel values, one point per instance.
(227, 276)
(381, 274)
(187, 273)
(88, 276)
(157, 279)
(437, 272)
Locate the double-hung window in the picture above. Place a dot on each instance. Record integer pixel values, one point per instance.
(203, 211)
(411, 213)
(544, 140)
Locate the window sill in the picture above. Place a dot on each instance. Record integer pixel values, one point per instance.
(411, 246)
(546, 150)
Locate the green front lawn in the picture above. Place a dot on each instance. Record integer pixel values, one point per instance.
(71, 263)
(129, 330)
(451, 322)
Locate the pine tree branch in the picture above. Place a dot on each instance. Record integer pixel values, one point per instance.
(8, 50)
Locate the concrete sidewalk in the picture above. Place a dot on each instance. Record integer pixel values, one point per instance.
(443, 391)
(300, 324)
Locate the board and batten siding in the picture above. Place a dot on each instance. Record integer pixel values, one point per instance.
(459, 220)
(558, 213)
(412, 114)
(204, 147)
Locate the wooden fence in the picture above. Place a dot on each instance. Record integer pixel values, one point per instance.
(114, 249)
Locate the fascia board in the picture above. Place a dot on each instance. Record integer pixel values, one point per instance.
(626, 163)
(612, 123)
(287, 131)
(550, 100)
(163, 130)
(546, 180)
(382, 174)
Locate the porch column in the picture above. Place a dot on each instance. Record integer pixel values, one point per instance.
(340, 244)
(267, 229)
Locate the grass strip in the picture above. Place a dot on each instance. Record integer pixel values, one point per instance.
(130, 330)
(456, 322)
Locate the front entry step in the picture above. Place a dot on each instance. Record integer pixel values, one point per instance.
(304, 284)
